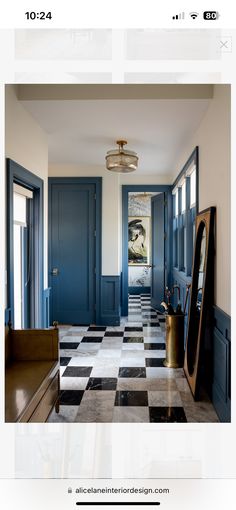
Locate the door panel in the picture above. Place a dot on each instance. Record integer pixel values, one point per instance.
(73, 253)
(158, 250)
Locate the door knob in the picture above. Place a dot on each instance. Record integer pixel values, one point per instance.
(55, 271)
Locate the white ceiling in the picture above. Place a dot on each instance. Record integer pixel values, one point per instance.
(81, 131)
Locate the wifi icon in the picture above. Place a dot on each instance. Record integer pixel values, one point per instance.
(193, 15)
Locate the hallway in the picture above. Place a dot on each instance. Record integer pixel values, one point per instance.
(116, 374)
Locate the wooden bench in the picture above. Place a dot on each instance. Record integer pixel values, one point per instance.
(32, 382)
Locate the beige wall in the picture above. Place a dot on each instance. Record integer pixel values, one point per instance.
(213, 139)
(26, 143)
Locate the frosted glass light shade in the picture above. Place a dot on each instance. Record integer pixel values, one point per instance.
(121, 160)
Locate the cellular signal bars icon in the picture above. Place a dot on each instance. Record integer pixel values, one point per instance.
(179, 16)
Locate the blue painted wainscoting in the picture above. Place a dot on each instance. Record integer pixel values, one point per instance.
(110, 301)
(46, 307)
(221, 388)
(139, 290)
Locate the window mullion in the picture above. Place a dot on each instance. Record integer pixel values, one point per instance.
(179, 231)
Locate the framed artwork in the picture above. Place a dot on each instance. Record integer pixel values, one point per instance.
(139, 240)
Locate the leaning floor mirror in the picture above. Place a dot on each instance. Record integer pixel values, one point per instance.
(202, 295)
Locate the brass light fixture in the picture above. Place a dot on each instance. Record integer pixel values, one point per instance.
(121, 160)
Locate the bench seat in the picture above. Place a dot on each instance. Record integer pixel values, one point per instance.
(32, 375)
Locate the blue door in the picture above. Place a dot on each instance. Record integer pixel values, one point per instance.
(73, 253)
(158, 250)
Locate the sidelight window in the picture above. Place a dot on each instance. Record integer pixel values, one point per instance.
(184, 213)
(21, 252)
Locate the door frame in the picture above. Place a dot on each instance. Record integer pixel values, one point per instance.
(158, 188)
(97, 181)
(20, 175)
(154, 302)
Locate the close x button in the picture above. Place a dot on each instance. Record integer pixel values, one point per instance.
(225, 44)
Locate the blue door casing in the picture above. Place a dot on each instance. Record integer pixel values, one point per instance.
(158, 188)
(20, 175)
(158, 250)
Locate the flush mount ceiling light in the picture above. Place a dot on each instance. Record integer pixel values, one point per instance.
(121, 160)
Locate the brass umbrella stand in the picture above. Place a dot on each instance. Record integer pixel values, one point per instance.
(174, 341)
(175, 330)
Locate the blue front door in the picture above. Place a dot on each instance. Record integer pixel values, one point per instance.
(73, 253)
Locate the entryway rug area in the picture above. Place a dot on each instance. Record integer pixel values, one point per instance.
(116, 374)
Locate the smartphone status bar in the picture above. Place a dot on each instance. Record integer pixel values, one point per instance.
(106, 14)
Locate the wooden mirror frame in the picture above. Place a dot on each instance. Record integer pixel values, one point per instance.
(195, 339)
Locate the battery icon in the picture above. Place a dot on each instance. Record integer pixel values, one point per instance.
(210, 15)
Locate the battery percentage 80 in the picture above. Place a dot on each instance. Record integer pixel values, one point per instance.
(210, 15)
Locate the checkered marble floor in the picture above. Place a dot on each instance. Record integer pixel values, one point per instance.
(116, 374)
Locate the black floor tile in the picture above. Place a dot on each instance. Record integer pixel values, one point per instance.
(114, 333)
(151, 325)
(69, 345)
(64, 360)
(97, 328)
(154, 347)
(130, 328)
(154, 362)
(77, 371)
(71, 397)
(132, 340)
(131, 398)
(102, 383)
(167, 414)
(132, 372)
(92, 339)
(162, 319)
